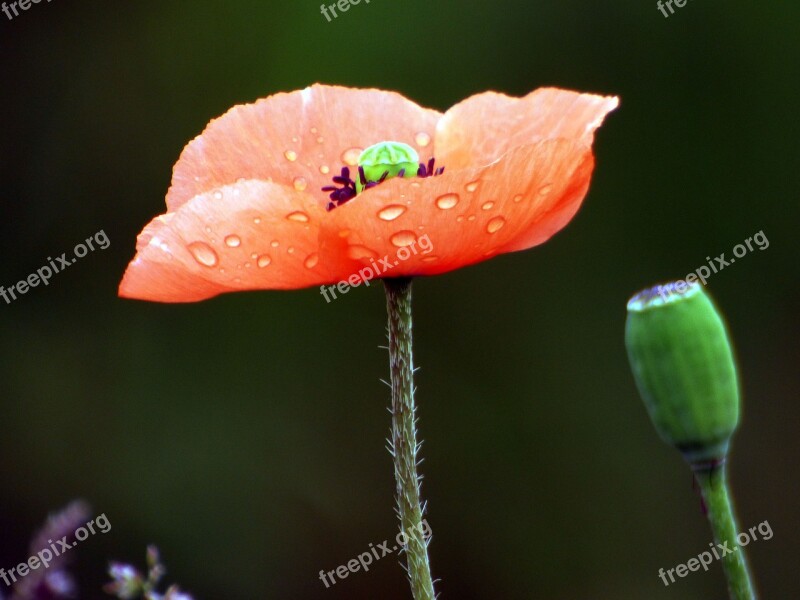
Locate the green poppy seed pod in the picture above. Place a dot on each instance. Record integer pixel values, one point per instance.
(684, 368)
(391, 158)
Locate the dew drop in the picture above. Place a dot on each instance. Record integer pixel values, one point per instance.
(518, 198)
(471, 218)
(350, 156)
(314, 130)
(298, 217)
(324, 169)
(218, 195)
(208, 229)
(274, 243)
(545, 189)
(233, 241)
(460, 218)
(487, 205)
(264, 260)
(254, 256)
(447, 201)
(290, 250)
(495, 224)
(247, 265)
(290, 155)
(472, 186)
(403, 238)
(344, 233)
(391, 212)
(320, 140)
(257, 220)
(203, 253)
(294, 139)
(422, 139)
(311, 261)
(358, 252)
(300, 184)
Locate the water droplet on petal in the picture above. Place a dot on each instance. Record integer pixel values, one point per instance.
(264, 260)
(495, 224)
(487, 205)
(358, 252)
(254, 256)
(290, 155)
(472, 186)
(403, 238)
(257, 220)
(218, 195)
(350, 156)
(208, 229)
(324, 169)
(311, 261)
(314, 130)
(300, 184)
(298, 217)
(274, 243)
(344, 233)
(460, 218)
(518, 198)
(203, 253)
(294, 139)
(320, 140)
(471, 218)
(422, 139)
(233, 241)
(290, 250)
(391, 212)
(545, 189)
(447, 201)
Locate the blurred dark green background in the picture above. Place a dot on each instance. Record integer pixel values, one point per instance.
(245, 435)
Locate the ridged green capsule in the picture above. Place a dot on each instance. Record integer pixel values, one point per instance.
(684, 368)
(387, 157)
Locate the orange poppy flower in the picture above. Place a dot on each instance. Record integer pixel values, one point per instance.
(246, 209)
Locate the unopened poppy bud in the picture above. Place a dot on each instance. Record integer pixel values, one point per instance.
(684, 369)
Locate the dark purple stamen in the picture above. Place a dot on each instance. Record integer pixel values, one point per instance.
(348, 191)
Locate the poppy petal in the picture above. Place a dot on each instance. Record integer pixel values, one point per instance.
(482, 128)
(466, 216)
(246, 236)
(298, 139)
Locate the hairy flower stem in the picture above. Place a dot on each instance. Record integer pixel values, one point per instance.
(404, 437)
(716, 495)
